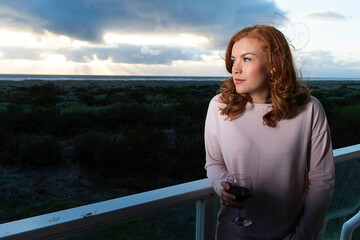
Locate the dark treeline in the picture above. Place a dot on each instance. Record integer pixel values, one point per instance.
(155, 133)
(152, 132)
(342, 107)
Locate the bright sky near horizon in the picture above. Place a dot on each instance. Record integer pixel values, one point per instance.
(173, 38)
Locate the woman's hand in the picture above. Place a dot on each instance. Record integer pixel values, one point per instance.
(227, 198)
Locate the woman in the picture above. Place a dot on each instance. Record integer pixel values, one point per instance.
(265, 123)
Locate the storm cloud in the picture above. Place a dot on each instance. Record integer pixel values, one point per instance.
(90, 20)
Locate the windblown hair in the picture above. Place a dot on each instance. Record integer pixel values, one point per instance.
(286, 92)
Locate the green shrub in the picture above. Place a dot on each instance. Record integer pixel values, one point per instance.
(8, 144)
(4, 106)
(86, 97)
(45, 88)
(68, 104)
(141, 151)
(189, 160)
(118, 115)
(39, 151)
(344, 125)
(42, 121)
(147, 148)
(102, 154)
(86, 147)
(118, 97)
(77, 108)
(80, 118)
(46, 100)
(6, 132)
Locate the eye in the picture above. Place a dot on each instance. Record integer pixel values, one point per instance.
(233, 61)
(246, 59)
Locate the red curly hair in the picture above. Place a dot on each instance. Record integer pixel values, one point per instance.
(286, 92)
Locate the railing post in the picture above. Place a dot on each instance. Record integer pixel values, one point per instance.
(206, 218)
(349, 227)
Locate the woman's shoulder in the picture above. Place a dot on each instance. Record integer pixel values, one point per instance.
(316, 112)
(315, 104)
(314, 100)
(215, 106)
(216, 101)
(311, 110)
(217, 97)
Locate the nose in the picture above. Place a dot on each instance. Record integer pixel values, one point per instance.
(236, 68)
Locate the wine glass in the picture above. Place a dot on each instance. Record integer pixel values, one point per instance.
(240, 186)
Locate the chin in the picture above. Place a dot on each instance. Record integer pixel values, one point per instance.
(240, 90)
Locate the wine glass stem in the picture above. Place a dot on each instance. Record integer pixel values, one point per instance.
(241, 214)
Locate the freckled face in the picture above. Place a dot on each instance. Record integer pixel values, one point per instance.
(250, 68)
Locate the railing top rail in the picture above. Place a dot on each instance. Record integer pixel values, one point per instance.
(85, 217)
(347, 153)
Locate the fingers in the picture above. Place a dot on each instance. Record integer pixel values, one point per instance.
(224, 195)
(227, 198)
(225, 185)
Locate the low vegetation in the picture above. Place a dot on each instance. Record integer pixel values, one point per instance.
(119, 140)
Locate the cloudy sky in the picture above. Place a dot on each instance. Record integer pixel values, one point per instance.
(170, 37)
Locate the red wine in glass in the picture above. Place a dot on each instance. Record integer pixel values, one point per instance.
(241, 187)
(241, 193)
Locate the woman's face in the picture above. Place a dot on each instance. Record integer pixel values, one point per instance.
(250, 69)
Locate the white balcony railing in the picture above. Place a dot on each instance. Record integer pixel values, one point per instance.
(66, 222)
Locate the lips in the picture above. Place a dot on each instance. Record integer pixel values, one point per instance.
(238, 80)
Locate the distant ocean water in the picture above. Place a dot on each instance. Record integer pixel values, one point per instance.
(21, 77)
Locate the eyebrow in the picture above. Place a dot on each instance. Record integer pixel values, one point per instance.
(244, 54)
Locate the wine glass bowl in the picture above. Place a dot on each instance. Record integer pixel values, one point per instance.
(241, 187)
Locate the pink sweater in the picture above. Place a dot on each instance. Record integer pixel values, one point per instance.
(292, 170)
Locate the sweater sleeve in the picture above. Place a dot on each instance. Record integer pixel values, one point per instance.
(215, 166)
(321, 176)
